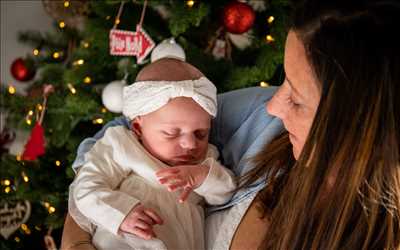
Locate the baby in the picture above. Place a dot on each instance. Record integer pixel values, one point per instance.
(135, 189)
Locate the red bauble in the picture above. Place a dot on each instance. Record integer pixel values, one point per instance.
(22, 70)
(238, 17)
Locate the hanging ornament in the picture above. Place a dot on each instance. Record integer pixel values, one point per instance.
(129, 43)
(112, 96)
(219, 50)
(168, 48)
(219, 45)
(35, 145)
(241, 41)
(12, 216)
(238, 17)
(22, 70)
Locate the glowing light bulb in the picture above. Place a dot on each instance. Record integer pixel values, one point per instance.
(61, 24)
(269, 38)
(87, 80)
(11, 90)
(190, 3)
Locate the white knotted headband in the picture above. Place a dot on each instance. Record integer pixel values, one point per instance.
(145, 97)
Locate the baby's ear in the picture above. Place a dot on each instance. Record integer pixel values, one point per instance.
(137, 126)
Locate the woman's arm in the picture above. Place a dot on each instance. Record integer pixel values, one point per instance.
(75, 238)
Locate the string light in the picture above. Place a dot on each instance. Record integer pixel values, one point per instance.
(98, 121)
(86, 45)
(24, 227)
(39, 107)
(269, 38)
(190, 3)
(270, 19)
(61, 24)
(79, 62)
(264, 84)
(38, 228)
(117, 21)
(52, 210)
(25, 177)
(108, 17)
(11, 90)
(58, 163)
(7, 182)
(17, 239)
(87, 80)
(56, 55)
(35, 52)
(7, 190)
(28, 117)
(71, 88)
(103, 110)
(18, 157)
(66, 4)
(46, 204)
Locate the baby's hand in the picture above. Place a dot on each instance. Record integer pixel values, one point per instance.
(140, 221)
(186, 177)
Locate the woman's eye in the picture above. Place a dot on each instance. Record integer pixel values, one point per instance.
(294, 103)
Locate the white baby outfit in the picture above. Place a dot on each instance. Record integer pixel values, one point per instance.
(119, 173)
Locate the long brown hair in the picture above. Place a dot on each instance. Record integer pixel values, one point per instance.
(344, 190)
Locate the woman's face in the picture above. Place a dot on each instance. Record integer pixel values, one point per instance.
(296, 101)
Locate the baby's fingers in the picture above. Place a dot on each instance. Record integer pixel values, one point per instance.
(167, 172)
(146, 234)
(185, 194)
(154, 216)
(176, 185)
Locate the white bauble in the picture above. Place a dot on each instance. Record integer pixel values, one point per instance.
(168, 48)
(112, 96)
(241, 41)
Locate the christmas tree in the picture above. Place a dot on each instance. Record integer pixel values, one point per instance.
(81, 68)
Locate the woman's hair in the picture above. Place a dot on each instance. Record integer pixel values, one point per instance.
(344, 190)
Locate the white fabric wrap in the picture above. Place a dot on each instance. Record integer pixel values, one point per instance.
(145, 97)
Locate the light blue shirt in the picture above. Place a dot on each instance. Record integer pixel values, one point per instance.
(240, 130)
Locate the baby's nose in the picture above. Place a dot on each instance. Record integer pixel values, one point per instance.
(188, 142)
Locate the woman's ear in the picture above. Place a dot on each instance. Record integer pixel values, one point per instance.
(137, 126)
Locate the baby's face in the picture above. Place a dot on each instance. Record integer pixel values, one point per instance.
(177, 133)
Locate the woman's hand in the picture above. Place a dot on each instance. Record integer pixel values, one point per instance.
(186, 177)
(75, 238)
(140, 221)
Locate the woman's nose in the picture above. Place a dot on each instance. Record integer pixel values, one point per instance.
(276, 105)
(188, 142)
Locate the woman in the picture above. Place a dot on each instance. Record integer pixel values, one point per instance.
(334, 176)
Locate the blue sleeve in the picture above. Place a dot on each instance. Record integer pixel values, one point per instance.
(240, 130)
(88, 143)
(234, 108)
